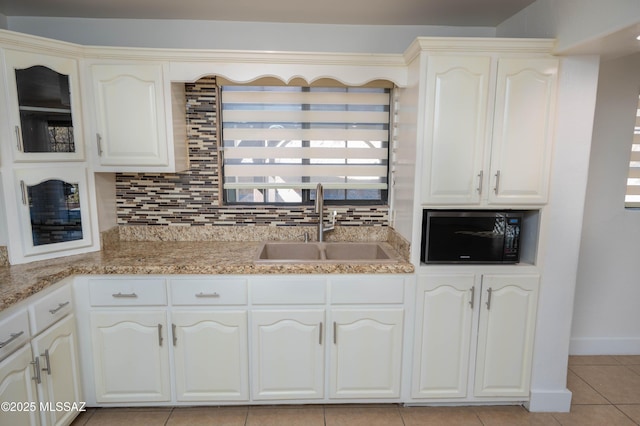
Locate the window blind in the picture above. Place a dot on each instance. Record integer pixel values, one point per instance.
(632, 198)
(287, 139)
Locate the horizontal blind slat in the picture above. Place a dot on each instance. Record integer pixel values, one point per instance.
(320, 98)
(302, 185)
(306, 134)
(310, 170)
(270, 116)
(305, 153)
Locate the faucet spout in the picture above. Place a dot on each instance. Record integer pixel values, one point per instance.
(319, 209)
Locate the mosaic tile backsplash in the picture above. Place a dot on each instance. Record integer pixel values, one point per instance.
(192, 197)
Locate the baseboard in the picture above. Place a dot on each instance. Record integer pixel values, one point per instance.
(604, 346)
(549, 401)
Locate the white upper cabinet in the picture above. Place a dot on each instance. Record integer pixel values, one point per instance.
(522, 131)
(135, 109)
(44, 109)
(488, 130)
(455, 126)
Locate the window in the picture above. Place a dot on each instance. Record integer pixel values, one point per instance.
(632, 198)
(279, 142)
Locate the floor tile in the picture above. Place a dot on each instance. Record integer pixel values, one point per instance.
(582, 392)
(210, 416)
(628, 359)
(593, 415)
(129, 417)
(593, 360)
(363, 416)
(449, 416)
(632, 411)
(279, 416)
(618, 384)
(513, 416)
(83, 417)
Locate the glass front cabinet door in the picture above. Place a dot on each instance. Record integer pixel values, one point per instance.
(44, 107)
(53, 209)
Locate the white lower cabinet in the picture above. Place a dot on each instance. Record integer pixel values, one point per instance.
(366, 353)
(237, 339)
(210, 355)
(444, 311)
(17, 386)
(503, 308)
(59, 372)
(40, 377)
(288, 354)
(505, 335)
(131, 356)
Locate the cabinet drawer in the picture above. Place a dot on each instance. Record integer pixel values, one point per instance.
(276, 291)
(14, 332)
(208, 291)
(50, 309)
(127, 292)
(369, 289)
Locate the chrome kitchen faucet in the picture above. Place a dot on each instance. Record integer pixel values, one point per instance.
(320, 211)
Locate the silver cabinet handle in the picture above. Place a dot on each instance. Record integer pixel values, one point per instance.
(36, 370)
(12, 337)
(160, 334)
(19, 139)
(489, 291)
(473, 296)
(480, 179)
(46, 358)
(60, 306)
(23, 191)
(99, 142)
(497, 187)
(173, 334)
(125, 295)
(320, 335)
(335, 333)
(214, 295)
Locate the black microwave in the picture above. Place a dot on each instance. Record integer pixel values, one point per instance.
(471, 236)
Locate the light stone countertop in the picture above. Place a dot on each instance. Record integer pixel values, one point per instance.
(185, 257)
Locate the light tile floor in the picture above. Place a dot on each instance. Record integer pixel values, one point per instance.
(606, 392)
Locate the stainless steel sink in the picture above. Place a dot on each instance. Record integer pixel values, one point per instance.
(331, 252)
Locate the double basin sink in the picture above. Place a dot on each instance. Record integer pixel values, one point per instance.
(325, 252)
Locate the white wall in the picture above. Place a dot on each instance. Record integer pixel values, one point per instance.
(236, 35)
(607, 317)
(572, 22)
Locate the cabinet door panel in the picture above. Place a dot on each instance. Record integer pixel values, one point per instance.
(131, 353)
(366, 353)
(16, 385)
(61, 383)
(211, 357)
(288, 354)
(130, 115)
(443, 335)
(44, 107)
(522, 130)
(457, 89)
(505, 335)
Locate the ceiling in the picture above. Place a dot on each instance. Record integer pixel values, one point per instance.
(485, 13)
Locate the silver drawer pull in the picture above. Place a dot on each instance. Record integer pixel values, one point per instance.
(201, 294)
(13, 336)
(46, 358)
(60, 306)
(130, 295)
(36, 370)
